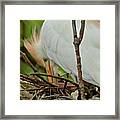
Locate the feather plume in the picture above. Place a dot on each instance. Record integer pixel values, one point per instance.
(31, 46)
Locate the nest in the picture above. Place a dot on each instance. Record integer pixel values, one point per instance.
(33, 87)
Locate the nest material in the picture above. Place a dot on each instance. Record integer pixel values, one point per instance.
(34, 88)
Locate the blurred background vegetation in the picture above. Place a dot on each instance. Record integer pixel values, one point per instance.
(26, 28)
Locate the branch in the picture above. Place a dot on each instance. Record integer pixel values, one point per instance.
(43, 74)
(74, 28)
(81, 33)
(77, 42)
(35, 81)
(24, 56)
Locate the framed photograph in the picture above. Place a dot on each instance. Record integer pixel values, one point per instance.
(59, 59)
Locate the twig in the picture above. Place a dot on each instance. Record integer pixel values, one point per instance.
(65, 85)
(77, 42)
(51, 84)
(57, 96)
(34, 95)
(42, 74)
(32, 82)
(66, 91)
(61, 92)
(66, 97)
(24, 56)
(35, 81)
(32, 89)
(50, 96)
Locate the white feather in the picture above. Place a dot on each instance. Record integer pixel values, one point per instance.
(56, 43)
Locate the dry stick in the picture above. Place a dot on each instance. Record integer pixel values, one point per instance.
(66, 97)
(42, 74)
(24, 56)
(65, 85)
(34, 95)
(32, 89)
(61, 92)
(56, 95)
(31, 82)
(77, 42)
(34, 80)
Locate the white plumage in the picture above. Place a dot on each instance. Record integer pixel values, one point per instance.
(56, 44)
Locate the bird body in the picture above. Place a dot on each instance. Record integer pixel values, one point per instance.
(56, 44)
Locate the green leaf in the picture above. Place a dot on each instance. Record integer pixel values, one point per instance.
(63, 73)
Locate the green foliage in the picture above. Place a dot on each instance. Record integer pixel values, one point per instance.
(25, 68)
(26, 29)
(63, 73)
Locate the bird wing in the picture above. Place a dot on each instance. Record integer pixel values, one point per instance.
(57, 42)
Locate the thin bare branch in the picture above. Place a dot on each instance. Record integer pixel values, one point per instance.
(77, 42)
(74, 28)
(42, 74)
(24, 56)
(81, 33)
